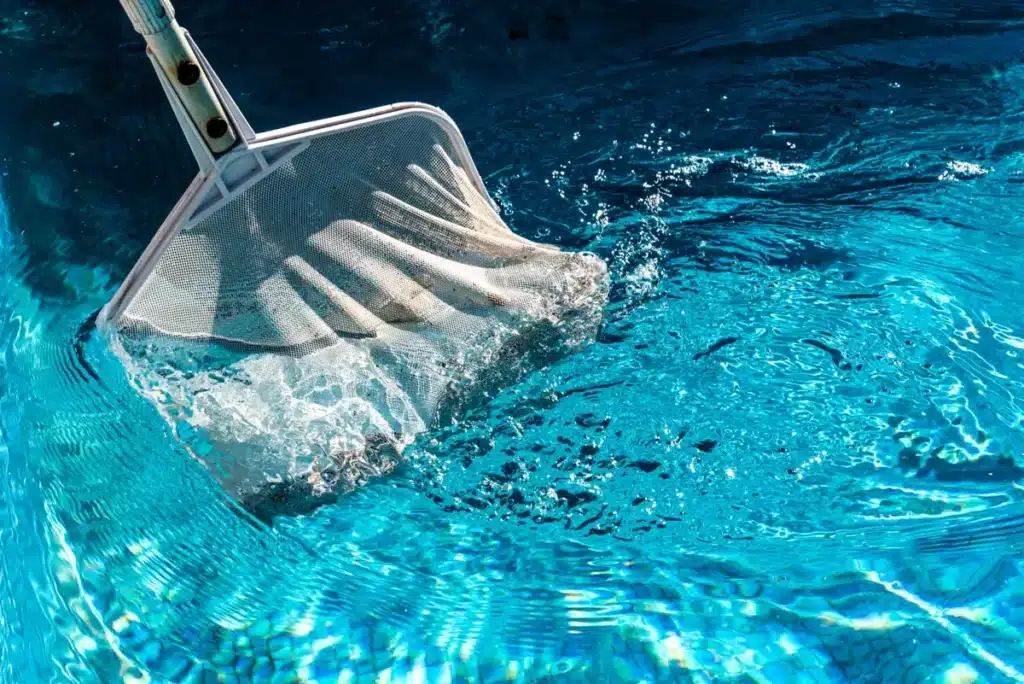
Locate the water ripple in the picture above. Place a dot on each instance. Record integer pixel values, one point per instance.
(795, 447)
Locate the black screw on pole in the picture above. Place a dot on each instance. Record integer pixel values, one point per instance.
(188, 73)
(216, 127)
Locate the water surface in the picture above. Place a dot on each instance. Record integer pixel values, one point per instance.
(794, 452)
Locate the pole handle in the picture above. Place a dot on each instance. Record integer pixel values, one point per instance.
(154, 20)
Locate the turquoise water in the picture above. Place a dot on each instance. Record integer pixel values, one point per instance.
(794, 453)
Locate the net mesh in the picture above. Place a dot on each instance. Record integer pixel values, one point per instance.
(366, 288)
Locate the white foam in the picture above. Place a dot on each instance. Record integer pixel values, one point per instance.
(958, 170)
(272, 417)
(772, 167)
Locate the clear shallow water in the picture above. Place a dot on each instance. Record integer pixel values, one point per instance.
(793, 454)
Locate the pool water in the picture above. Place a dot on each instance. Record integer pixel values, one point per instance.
(794, 453)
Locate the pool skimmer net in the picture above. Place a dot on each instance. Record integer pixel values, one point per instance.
(367, 237)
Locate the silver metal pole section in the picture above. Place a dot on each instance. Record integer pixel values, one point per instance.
(154, 21)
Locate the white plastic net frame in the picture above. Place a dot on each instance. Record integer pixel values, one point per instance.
(360, 257)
